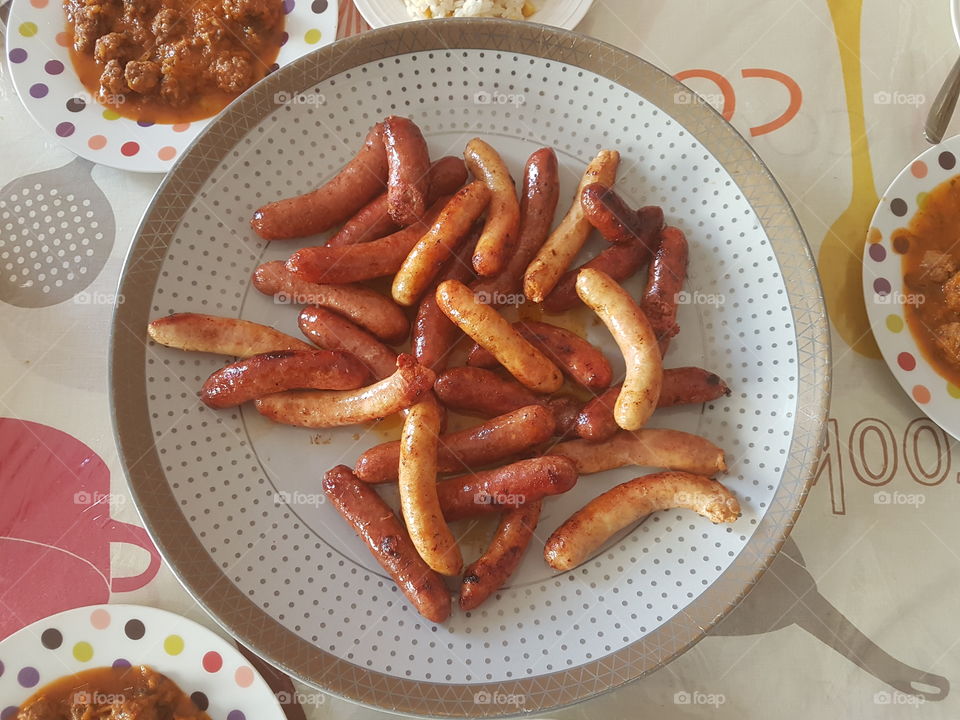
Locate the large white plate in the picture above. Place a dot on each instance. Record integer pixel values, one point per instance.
(204, 665)
(234, 502)
(565, 14)
(43, 75)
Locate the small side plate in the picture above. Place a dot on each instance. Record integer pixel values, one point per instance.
(43, 75)
(205, 666)
(884, 293)
(565, 14)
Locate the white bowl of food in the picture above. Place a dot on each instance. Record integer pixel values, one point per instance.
(559, 13)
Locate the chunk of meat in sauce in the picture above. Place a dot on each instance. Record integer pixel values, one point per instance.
(91, 19)
(114, 46)
(182, 70)
(164, 25)
(142, 76)
(251, 13)
(948, 338)
(233, 72)
(43, 708)
(137, 693)
(937, 266)
(951, 293)
(112, 80)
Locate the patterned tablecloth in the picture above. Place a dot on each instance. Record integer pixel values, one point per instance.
(856, 618)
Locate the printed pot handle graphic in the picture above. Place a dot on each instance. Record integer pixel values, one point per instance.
(122, 532)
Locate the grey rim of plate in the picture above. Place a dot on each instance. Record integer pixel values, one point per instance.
(202, 576)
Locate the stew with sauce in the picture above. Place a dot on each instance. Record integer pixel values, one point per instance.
(930, 248)
(170, 61)
(111, 693)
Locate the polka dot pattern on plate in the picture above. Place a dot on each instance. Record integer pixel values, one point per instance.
(83, 651)
(906, 361)
(173, 644)
(90, 637)
(134, 629)
(888, 297)
(51, 639)
(212, 662)
(28, 676)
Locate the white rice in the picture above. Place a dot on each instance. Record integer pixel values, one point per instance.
(509, 9)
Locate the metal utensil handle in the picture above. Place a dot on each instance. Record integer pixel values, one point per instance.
(942, 109)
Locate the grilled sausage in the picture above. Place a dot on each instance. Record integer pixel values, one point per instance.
(505, 488)
(363, 261)
(538, 202)
(681, 386)
(367, 308)
(580, 360)
(408, 170)
(225, 336)
(278, 371)
(332, 408)
(618, 261)
(492, 569)
(498, 439)
(587, 529)
(665, 278)
(386, 538)
(358, 181)
(330, 331)
(373, 220)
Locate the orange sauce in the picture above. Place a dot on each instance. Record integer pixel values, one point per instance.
(935, 226)
(260, 46)
(112, 692)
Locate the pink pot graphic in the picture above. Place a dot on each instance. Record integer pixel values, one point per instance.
(55, 526)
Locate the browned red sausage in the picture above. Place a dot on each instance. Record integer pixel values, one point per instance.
(508, 487)
(434, 335)
(618, 261)
(373, 220)
(665, 278)
(565, 411)
(366, 307)
(408, 168)
(475, 391)
(330, 331)
(360, 180)
(352, 263)
(387, 539)
(681, 386)
(609, 214)
(495, 440)
(538, 201)
(492, 569)
(278, 371)
(579, 359)
(688, 385)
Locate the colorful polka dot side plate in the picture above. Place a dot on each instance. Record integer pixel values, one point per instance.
(886, 296)
(206, 667)
(43, 75)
